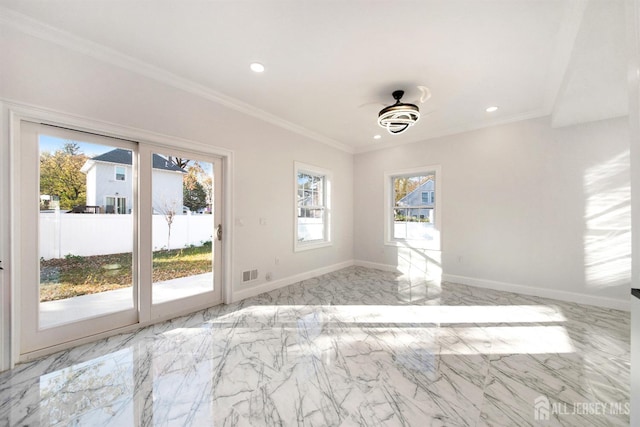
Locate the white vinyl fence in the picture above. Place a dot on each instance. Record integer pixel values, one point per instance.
(64, 234)
(413, 230)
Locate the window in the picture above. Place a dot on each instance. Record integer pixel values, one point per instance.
(115, 204)
(427, 198)
(312, 187)
(120, 173)
(412, 217)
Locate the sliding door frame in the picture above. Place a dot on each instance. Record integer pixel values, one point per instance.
(213, 297)
(19, 113)
(34, 335)
(5, 252)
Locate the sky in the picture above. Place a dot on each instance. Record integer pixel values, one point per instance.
(50, 144)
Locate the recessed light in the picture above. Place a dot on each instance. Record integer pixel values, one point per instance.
(376, 137)
(491, 109)
(256, 67)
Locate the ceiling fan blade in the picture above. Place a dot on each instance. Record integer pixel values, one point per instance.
(425, 95)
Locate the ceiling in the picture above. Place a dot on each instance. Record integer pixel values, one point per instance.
(332, 65)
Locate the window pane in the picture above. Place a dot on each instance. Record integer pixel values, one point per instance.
(85, 254)
(318, 199)
(413, 190)
(304, 181)
(120, 173)
(310, 190)
(414, 224)
(183, 227)
(310, 224)
(311, 207)
(413, 216)
(310, 220)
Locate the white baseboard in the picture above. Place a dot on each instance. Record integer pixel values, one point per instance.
(286, 281)
(598, 301)
(594, 300)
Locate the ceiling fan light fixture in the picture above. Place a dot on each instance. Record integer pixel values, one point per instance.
(398, 117)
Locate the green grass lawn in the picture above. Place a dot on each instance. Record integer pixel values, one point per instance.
(76, 275)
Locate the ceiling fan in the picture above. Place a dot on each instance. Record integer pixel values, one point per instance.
(398, 117)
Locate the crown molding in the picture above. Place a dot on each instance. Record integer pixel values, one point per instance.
(38, 29)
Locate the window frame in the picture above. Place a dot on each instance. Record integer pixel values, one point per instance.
(116, 205)
(389, 206)
(300, 245)
(115, 173)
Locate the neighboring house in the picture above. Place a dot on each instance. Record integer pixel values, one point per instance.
(423, 196)
(109, 183)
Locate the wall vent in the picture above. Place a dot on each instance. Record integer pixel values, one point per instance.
(249, 275)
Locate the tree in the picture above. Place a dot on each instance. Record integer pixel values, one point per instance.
(194, 196)
(179, 161)
(60, 175)
(196, 188)
(169, 212)
(207, 185)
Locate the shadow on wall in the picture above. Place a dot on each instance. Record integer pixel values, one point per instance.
(607, 218)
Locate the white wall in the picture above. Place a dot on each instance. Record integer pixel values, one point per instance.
(633, 39)
(47, 75)
(522, 204)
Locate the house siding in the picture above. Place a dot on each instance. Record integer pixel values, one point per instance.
(415, 199)
(108, 186)
(166, 187)
(91, 188)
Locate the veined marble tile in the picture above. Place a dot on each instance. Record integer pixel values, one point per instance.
(353, 347)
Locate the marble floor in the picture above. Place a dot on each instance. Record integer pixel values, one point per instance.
(354, 347)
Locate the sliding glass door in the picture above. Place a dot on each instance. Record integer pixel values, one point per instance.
(111, 233)
(185, 216)
(77, 235)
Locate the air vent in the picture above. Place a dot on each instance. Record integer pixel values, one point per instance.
(249, 275)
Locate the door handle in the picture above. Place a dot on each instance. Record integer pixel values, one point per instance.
(219, 231)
